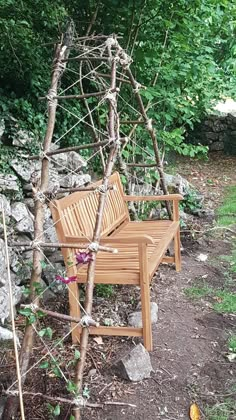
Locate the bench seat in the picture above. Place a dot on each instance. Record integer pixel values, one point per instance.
(141, 247)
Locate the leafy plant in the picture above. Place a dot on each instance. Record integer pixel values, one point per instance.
(104, 290)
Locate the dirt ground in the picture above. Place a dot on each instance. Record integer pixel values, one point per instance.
(190, 339)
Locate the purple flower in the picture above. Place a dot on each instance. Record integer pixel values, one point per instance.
(83, 257)
(66, 280)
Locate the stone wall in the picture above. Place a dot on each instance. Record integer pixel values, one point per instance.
(17, 201)
(216, 132)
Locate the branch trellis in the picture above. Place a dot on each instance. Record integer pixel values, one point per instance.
(91, 53)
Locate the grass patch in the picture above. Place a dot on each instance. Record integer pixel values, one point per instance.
(232, 344)
(226, 302)
(221, 411)
(226, 213)
(198, 292)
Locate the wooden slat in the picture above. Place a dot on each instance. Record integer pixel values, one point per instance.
(116, 331)
(169, 197)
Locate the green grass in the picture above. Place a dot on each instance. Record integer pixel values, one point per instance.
(226, 213)
(227, 303)
(232, 344)
(198, 292)
(225, 300)
(221, 411)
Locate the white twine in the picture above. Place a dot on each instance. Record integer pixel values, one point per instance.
(111, 42)
(94, 246)
(137, 87)
(149, 124)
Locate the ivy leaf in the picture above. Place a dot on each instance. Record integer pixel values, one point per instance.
(77, 354)
(44, 365)
(57, 410)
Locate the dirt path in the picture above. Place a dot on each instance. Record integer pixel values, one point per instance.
(190, 338)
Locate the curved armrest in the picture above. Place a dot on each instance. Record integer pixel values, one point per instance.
(169, 197)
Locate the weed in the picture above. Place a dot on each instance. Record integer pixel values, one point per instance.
(226, 302)
(232, 344)
(221, 411)
(104, 290)
(198, 292)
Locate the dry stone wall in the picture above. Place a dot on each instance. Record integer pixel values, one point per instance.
(216, 132)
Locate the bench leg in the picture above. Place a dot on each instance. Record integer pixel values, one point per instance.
(145, 297)
(177, 246)
(73, 290)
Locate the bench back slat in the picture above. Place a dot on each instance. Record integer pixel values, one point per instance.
(76, 214)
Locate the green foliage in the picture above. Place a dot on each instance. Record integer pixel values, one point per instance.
(54, 410)
(226, 302)
(104, 290)
(189, 46)
(232, 344)
(191, 203)
(198, 292)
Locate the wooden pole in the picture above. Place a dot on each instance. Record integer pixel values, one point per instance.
(61, 52)
(152, 134)
(114, 134)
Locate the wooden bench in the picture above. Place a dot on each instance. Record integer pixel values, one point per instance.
(141, 248)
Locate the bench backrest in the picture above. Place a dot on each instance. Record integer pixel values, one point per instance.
(75, 215)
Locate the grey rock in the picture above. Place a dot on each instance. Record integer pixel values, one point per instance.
(23, 217)
(5, 204)
(22, 138)
(136, 365)
(177, 184)
(2, 127)
(49, 235)
(8, 183)
(74, 180)
(29, 202)
(25, 169)
(25, 226)
(135, 318)
(3, 267)
(217, 146)
(72, 161)
(19, 211)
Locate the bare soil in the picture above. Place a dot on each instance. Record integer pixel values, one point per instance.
(190, 339)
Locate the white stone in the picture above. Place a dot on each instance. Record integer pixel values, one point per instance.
(7, 335)
(135, 318)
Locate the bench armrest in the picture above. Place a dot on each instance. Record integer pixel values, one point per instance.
(135, 239)
(169, 197)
